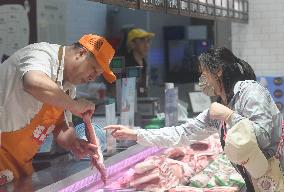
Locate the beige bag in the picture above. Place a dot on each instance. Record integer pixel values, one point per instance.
(242, 148)
(272, 180)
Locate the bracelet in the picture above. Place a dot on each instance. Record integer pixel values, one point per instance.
(229, 116)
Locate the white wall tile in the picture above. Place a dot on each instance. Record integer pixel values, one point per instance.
(261, 41)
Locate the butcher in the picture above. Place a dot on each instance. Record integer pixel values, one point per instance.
(37, 91)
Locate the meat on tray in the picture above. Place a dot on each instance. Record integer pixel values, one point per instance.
(97, 159)
(162, 176)
(173, 167)
(194, 189)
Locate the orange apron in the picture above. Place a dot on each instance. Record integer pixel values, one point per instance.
(19, 147)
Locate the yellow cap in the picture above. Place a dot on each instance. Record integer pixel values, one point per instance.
(102, 51)
(138, 33)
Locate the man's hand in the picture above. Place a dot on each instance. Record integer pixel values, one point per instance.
(122, 132)
(82, 106)
(219, 111)
(81, 148)
(66, 137)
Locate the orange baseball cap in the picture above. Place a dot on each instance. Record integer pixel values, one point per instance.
(102, 51)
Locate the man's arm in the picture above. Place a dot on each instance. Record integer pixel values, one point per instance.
(64, 135)
(40, 86)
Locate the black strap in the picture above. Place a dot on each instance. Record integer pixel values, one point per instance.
(239, 168)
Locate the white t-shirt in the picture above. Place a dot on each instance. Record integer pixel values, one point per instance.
(18, 107)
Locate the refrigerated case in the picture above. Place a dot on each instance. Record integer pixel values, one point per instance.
(71, 176)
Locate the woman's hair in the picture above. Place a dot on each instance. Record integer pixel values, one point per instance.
(122, 48)
(233, 68)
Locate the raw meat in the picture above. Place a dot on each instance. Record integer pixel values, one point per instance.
(98, 159)
(138, 179)
(185, 189)
(193, 189)
(147, 165)
(176, 153)
(221, 189)
(199, 146)
(162, 177)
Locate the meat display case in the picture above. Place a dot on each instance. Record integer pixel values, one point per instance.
(78, 175)
(72, 176)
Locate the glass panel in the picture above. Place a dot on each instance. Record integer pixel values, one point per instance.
(231, 4)
(245, 6)
(241, 6)
(210, 2)
(172, 4)
(159, 3)
(236, 15)
(210, 10)
(218, 2)
(202, 9)
(236, 5)
(184, 5)
(193, 7)
(224, 3)
(218, 12)
(224, 13)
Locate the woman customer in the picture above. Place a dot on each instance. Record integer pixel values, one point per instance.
(239, 98)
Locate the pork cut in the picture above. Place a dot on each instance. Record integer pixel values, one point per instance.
(194, 189)
(97, 159)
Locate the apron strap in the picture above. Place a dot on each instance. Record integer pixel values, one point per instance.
(60, 55)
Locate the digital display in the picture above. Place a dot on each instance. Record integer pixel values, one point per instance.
(117, 64)
(133, 72)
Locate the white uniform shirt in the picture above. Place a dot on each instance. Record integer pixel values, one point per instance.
(18, 107)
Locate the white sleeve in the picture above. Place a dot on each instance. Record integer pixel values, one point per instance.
(195, 129)
(35, 60)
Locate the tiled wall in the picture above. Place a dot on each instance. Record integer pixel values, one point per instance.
(84, 17)
(261, 41)
(79, 17)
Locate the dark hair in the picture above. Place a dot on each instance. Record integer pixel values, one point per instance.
(77, 45)
(122, 48)
(233, 68)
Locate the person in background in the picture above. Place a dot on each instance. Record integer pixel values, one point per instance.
(138, 45)
(239, 97)
(37, 89)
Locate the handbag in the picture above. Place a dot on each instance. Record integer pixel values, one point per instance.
(273, 179)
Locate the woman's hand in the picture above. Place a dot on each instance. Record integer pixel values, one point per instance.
(122, 132)
(219, 111)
